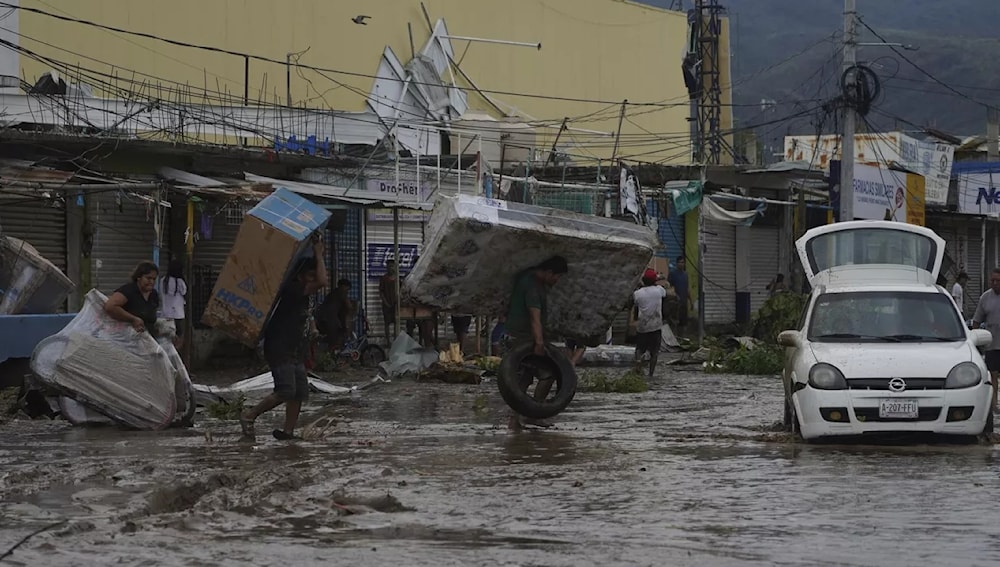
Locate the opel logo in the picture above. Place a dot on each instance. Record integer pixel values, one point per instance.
(897, 385)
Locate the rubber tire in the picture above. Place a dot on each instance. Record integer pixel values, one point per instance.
(508, 381)
(373, 354)
(988, 428)
(787, 421)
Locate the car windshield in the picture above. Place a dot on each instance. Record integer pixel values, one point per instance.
(885, 316)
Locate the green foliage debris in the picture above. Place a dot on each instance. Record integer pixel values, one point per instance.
(227, 410)
(781, 312)
(762, 359)
(632, 382)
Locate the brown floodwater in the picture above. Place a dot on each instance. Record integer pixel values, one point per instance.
(693, 472)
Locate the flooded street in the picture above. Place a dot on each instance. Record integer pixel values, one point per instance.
(693, 472)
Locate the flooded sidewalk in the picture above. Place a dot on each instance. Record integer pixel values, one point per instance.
(694, 472)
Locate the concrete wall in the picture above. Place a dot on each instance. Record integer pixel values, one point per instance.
(607, 50)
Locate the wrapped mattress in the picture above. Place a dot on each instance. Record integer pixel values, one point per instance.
(110, 368)
(476, 246)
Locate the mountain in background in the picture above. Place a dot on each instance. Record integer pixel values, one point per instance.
(788, 51)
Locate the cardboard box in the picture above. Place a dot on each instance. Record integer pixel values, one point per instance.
(272, 238)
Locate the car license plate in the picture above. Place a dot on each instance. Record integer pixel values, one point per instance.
(899, 409)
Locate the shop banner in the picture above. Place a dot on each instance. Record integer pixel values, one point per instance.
(407, 190)
(379, 254)
(979, 193)
(931, 160)
(881, 194)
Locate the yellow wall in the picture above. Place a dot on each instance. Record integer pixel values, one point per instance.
(593, 49)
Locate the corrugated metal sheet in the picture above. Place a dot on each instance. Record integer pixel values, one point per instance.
(123, 237)
(719, 265)
(41, 222)
(763, 262)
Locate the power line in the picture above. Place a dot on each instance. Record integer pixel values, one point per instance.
(922, 70)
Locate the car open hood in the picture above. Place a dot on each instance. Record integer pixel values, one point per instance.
(906, 360)
(870, 242)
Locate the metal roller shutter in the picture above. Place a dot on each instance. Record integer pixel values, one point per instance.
(38, 221)
(719, 265)
(670, 229)
(974, 267)
(764, 265)
(378, 230)
(123, 237)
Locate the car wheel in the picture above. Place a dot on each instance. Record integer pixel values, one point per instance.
(988, 428)
(794, 418)
(518, 369)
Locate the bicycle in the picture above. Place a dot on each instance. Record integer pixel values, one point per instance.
(357, 349)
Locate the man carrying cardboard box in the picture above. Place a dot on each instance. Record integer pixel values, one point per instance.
(285, 344)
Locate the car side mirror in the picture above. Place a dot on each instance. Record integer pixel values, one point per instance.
(789, 338)
(981, 337)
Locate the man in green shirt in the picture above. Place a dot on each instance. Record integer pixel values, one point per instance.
(526, 319)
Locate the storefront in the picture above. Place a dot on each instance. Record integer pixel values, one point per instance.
(37, 218)
(379, 247)
(124, 227)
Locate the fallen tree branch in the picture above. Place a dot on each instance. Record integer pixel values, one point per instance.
(29, 536)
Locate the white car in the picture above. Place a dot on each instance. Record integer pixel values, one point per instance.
(880, 347)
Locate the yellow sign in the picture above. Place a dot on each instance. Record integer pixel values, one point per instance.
(916, 199)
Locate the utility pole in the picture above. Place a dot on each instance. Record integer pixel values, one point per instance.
(847, 139)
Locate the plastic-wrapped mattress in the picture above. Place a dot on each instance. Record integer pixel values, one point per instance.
(476, 246)
(110, 368)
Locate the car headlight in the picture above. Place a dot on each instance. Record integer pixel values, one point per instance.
(964, 375)
(824, 376)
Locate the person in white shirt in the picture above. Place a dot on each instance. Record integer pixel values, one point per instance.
(173, 288)
(958, 291)
(648, 317)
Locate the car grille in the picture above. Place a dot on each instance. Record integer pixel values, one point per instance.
(871, 414)
(883, 383)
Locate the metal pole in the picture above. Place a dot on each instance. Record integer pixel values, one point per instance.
(701, 278)
(460, 163)
(536, 45)
(246, 86)
(288, 79)
(395, 233)
(847, 140)
(618, 133)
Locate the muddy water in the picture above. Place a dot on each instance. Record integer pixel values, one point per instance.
(691, 473)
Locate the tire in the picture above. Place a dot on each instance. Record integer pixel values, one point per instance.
(515, 371)
(988, 428)
(372, 356)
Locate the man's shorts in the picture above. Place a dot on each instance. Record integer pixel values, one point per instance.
(993, 360)
(461, 323)
(290, 381)
(572, 345)
(179, 327)
(649, 342)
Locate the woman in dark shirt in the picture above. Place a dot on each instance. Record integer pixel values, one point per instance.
(137, 302)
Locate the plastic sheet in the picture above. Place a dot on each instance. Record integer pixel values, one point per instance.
(406, 356)
(110, 368)
(476, 247)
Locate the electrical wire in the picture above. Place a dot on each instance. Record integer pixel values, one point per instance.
(924, 71)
